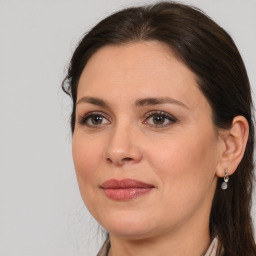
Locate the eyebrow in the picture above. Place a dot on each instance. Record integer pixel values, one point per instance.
(93, 100)
(157, 101)
(138, 103)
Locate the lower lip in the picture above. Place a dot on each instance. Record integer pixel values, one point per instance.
(126, 193)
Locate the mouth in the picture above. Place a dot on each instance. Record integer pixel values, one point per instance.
(126, 189)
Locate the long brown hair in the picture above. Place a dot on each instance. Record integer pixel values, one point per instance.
(211, 54)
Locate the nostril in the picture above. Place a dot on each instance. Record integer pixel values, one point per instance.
(127, 159)
(119, 162)
(109, 160)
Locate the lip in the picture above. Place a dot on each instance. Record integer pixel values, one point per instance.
(125, 189)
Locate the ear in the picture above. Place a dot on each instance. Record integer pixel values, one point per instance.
(234, 141)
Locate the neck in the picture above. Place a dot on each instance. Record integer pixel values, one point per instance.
(193, 240)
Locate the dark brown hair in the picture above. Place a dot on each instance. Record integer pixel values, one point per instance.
(211, 54)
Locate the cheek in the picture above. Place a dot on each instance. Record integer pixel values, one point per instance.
(185, 162)
(185, 168)
(86, 157)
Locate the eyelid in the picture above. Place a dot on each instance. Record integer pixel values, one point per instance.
(170, 117)
(83, 118)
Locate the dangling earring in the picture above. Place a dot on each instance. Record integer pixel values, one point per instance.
(224, 184)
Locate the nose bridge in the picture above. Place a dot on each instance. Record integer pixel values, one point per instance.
(122, 146)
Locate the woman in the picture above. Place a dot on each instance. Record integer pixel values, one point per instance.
(163, 133)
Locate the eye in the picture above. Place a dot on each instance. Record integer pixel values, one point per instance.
(159, 119)
(93, 120)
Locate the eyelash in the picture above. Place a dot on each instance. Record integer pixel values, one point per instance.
(161, 114)
(83, 120)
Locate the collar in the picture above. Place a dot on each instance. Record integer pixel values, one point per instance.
(213, 249)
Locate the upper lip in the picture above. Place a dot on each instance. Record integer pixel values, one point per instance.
(125, 183)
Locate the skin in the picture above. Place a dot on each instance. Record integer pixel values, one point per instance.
(181, 158)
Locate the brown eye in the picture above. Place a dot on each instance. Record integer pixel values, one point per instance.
(94, 120)
(159, 119)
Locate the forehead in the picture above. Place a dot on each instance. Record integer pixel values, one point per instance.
(137, 58)
(138, 69)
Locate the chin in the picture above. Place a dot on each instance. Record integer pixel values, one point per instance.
(127, 225)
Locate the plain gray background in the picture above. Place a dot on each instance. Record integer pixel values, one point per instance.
(41, 212)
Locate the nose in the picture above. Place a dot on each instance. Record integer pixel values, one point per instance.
(123, 146)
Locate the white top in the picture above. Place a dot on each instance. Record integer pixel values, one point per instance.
(212, 250)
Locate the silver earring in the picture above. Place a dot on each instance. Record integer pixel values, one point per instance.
(224, 184)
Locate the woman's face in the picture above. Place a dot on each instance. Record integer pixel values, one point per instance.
(144, 146)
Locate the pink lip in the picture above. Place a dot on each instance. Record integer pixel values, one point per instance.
(125, 189)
